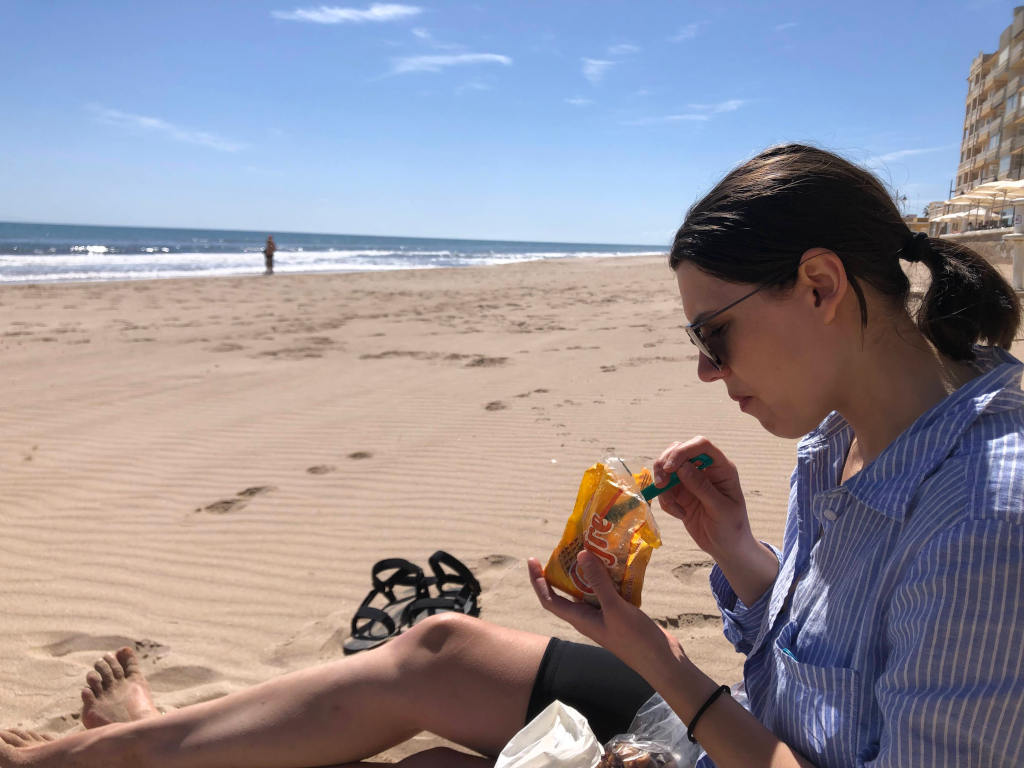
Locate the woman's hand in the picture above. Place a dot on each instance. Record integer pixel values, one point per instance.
(708, 501)
(710, 504)
(617, 625)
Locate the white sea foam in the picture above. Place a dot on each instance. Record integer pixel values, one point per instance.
(91, 262)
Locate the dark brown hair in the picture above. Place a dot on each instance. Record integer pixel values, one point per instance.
(756, 223)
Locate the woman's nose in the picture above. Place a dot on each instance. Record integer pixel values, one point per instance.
(706, 370)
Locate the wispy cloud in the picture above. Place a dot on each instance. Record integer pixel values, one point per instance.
(900, 154)
(594, 69)
(438, 63)
(162, 127)
(328, 14)
(699, 113)
(687, 32)
(785, 26)
(622, 49)
(473, 85)
(577, 101)
(426, 36)
(730, 105)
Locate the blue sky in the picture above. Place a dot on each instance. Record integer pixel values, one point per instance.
(562, 120)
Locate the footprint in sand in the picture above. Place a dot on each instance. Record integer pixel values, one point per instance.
(495, 405)
(689, 572)
(687, 620)
(256, 490)
(177, 678)
(224, 506)
(495, 561)
(80, 642)
(360, 455)
(321, 469)
(226, 346)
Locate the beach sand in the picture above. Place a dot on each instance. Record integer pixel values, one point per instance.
(207, 469)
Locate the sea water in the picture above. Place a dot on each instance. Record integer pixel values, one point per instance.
(36, 253)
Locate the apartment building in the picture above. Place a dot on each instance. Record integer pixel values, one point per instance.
(993, 138)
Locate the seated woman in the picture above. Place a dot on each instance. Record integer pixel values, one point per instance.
(885, 632)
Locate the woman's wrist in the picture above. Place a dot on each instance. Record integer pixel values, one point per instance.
(750, 569)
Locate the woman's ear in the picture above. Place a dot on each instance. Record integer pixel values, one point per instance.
(824, 280)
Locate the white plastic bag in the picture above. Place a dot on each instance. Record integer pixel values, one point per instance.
(558, 737)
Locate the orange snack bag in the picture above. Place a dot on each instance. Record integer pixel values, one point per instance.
(612, 520)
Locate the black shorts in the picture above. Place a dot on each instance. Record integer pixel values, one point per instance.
(592, 681)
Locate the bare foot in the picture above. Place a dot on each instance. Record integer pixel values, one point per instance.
(16, 737)
(117, 692)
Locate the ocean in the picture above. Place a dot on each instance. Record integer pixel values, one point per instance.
(46, 253)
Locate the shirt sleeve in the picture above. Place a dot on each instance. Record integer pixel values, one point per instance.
(951, 690)
(740, 622)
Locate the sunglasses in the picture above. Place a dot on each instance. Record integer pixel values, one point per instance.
(696, 334)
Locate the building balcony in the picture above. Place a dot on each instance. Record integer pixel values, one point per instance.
(989, 105)
(1012, 145)
(1000, 72)
(1017, 57)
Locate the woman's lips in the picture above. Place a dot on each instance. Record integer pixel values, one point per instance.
(743, 400)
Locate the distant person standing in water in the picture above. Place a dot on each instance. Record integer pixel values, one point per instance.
(268, 255)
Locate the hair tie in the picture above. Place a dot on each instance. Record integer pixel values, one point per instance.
(916, 248)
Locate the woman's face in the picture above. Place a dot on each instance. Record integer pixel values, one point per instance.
(776, 359)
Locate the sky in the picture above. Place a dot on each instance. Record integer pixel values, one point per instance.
(595, 121)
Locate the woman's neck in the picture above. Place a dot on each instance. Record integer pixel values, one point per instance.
(893, 380)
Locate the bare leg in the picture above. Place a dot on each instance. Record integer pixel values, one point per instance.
(460, 678)
(117, 691)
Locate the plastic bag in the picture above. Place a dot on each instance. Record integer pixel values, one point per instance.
(558, 737)
(612, 520)
(629, 751)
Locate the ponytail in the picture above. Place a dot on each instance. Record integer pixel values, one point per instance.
(968, 301)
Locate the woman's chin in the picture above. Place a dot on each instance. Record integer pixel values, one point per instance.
(781, 429)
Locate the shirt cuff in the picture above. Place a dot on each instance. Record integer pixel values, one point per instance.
(741, 622)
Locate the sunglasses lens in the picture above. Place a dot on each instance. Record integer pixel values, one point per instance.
(697, 339)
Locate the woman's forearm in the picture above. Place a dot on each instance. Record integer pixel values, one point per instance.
(750, 571)
(732, 737)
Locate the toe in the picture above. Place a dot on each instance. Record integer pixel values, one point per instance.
(88, 697)
(129, 662)
(12, 738)
(95, 682)
(115, 666)
(106, 675)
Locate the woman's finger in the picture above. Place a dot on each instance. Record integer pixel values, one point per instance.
(598, 579)
(698, 483)
(579, 615)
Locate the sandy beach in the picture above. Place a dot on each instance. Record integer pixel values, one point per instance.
(207, 469)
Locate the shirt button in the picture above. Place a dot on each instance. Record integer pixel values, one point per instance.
(829, 514)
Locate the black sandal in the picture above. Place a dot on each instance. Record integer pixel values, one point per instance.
(453, 586)
(374, 625)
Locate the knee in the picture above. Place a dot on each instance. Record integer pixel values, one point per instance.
(437, 636)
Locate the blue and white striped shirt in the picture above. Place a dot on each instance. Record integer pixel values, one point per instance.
(903, 641)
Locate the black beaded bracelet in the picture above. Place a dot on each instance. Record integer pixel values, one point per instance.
(703, 708)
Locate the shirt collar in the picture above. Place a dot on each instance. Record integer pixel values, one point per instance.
(889, 482)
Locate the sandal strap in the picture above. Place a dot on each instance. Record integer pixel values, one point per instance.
(404, 574)
(462, 575)
(372, 616)
(465, 601)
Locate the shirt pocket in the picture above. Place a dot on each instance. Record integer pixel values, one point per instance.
(817, 708)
